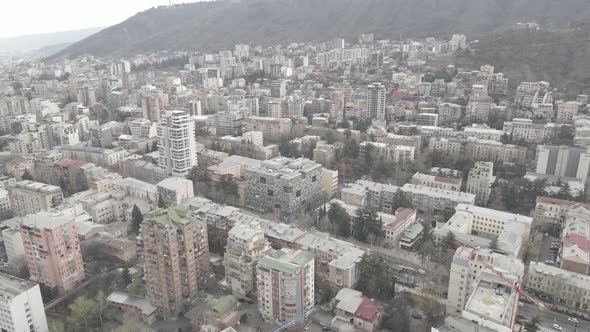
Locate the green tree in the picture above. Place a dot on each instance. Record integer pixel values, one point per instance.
(339, 219)
(126, 277)
(375, 278)
(226, 188)
(351, 149)
(86, 314)
(27, 175)
(533, 325)
(449, 241)
(401, 201)
(136, 219)
(367, 223)
(161, 203)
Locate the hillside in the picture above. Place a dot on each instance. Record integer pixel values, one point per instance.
(222, 23)
(560, 57)
(38, 41)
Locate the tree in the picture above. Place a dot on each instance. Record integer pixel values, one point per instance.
(533, 325)
(339, 219)
(449, 241)
(351, 149)
(27, 175)
(126, 277)
(136, 219)
(494, 244)
(227, 188)
(86, 314)
(400, 200)
(375, 278)
(367, 223)
(161, 203)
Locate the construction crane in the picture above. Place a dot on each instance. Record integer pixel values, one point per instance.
(516, 284)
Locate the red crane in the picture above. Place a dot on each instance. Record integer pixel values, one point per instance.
(516, 284)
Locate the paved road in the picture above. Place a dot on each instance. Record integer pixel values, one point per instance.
(548, 318)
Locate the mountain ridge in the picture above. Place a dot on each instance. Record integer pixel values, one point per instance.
(223, 23)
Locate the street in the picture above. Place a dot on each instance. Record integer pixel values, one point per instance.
(548, 318)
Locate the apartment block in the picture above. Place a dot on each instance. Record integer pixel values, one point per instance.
(529, 131)
(273, 129)
(378, 196)
(21, 305)
(480, 180)
(285, 282)
(439, 182)
(175, 190)
(284, 186)
(99, 156)
(394, 153)
(563, 161)
(245, 246)
(52, 250)
(575, 236)
(177, 145)
(566, 111)
(431, 199)
(14, 246)
(29, 197)
(486, 150)
(176, 257)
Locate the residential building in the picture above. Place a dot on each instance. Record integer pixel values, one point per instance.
(99, 156)
(176, 257)
(177, 145)
(14, 246)
(284, 186)
(379, 196)
(395, 153)
(563, 161)
(575, 236)
(449, 112)
(394, 227)
(478, 108)
(245, 246)
(527, 130)
(452, 148)
(434, 181)
(571, 290)
(52, 250)
(566, 111)
(427, 119)
(29, 197)
(431, 199)
(376, 101)
(485, 150)
(22, 305)
(480, 180)
(552, 210)
(355, 311)
(273, 129)
(175, 190)
(5, 207)
(285, 283)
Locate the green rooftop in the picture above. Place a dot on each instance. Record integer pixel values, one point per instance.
(286, 261)
(170, 216)
(222, 305)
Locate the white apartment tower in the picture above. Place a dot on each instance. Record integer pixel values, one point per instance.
(285, 283)
(21, 305)
(480, 180)
(376, 101)
(177, 145)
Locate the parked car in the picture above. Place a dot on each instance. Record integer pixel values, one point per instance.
(556, 327)
(572, 320)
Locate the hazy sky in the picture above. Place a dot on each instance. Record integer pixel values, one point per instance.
(24, 17)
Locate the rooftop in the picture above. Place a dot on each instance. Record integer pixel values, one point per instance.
(134, 301)
(170, 216)
(38, 186)
(12, 286)
(47, 220)
(286, 260)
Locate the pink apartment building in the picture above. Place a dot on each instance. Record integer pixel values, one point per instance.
(52, 250)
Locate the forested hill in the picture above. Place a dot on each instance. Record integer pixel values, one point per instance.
(222, 23)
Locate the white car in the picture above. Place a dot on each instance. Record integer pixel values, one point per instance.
(572, 320)
(556, 327)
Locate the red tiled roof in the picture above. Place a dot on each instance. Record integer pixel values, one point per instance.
(369, 310)
(70, 163)
(578, 240)
(401, 215)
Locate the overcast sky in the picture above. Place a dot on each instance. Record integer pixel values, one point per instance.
(25, 17)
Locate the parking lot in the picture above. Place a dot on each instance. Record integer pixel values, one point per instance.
(550, 247)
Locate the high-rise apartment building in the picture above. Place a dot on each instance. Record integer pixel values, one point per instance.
(52, 250)
(21, 305)
(563, 161)
(177, 145)
(28, 197)
(278, 89)
(376, 101)
(176, 257)
(285, 282)
(480, 181)
(245, 246)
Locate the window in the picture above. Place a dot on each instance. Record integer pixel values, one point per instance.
(298, 193)
(270, 193)
(288, 190)
(262, 180)
(314, 178)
